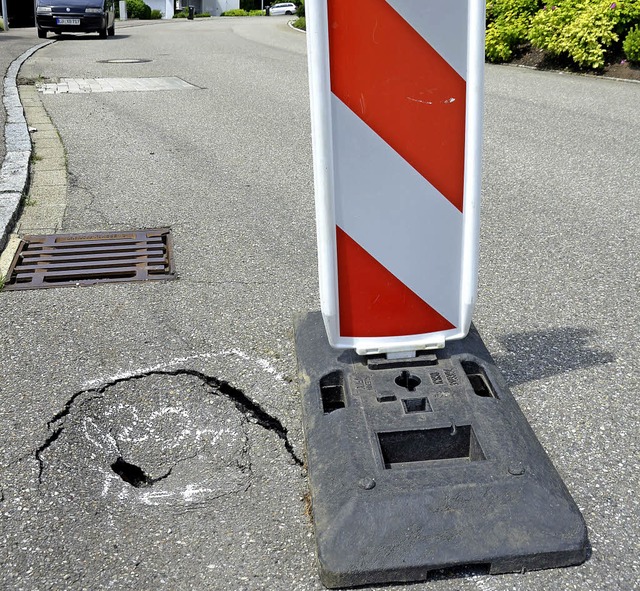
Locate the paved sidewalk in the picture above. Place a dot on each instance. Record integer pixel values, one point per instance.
(47, 195)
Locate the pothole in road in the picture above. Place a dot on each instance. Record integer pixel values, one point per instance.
(163, 440)
(164, 475)
(134, 475)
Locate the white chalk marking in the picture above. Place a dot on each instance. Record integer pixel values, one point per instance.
(263, 364)
(191, 491)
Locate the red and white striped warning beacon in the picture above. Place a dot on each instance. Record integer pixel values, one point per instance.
(396, 103)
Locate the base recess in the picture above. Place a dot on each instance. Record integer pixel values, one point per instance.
(426, 464)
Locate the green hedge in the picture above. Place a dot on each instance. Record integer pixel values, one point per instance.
(242, 12)
(236, 12)
(136, 9)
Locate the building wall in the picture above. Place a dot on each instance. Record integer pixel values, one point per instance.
(217, 7)
(164, 6)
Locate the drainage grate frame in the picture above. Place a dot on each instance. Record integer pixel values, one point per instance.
(66, 260)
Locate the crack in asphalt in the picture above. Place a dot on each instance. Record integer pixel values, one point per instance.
(48, 442)
(74, 183)
(247, 407)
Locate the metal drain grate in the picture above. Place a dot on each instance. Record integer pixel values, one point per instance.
(83, 259)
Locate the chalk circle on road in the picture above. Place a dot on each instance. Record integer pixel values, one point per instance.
(161, 440)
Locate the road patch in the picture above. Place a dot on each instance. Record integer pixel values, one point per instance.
(91, 85)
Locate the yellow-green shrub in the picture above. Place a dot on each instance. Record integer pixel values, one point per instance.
(631, 45)
(507, 26)
(582, 29)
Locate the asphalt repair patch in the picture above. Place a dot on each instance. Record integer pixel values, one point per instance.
(93, 85)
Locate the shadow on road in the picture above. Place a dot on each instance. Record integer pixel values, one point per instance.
(540, 354)
(83, 37)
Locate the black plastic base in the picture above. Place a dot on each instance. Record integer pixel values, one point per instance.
(426, 464)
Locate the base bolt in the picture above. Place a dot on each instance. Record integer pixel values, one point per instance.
(516, 469)
(367, 483)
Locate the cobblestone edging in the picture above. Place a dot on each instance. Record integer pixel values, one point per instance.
(14, 171)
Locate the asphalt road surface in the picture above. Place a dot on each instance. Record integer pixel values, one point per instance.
(193, 381)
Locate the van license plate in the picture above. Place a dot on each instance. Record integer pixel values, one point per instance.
(67, 21)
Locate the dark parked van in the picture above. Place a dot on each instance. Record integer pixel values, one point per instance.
(76, 16)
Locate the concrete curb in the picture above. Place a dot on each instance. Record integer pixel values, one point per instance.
(290, 23)
(14, 172)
